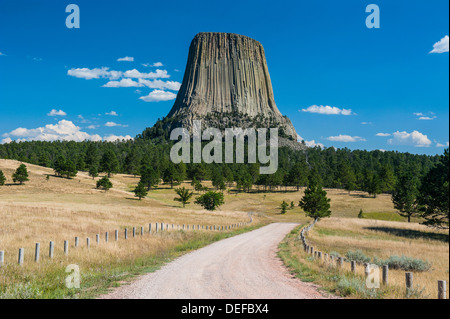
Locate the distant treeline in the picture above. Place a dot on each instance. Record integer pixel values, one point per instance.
(372, 171)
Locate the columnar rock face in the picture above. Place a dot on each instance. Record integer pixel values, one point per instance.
(227, 80)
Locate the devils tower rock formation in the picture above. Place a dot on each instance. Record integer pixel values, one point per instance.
(227, 84)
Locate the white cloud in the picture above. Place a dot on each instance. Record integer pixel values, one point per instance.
(383, 134)
(92, 127)
(155, 65)
(158, 74)
(123, 83)
(127, 58)
(158, 84)
(427, 118)
(311, 143)
(112, 113)
(138, 91)
(113, 138)
(442, 145)
(113, 124)
(63, 130)
(415, 138)
(88, 74)
(418, 114)
(158, 95)
(366, 123)
(328, 110)
(6, 140)
(441, 46)
(345, 138)
(57, 113)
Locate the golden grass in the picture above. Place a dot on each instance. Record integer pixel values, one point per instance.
(60, 209)
(383, 239)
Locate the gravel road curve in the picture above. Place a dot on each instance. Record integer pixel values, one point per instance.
(241, 267)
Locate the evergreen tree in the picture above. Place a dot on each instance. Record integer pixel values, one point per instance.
(93, 171)
(109, 163)
(171, 175)
(315, 202)
(149, 177)
(284, 207)
(210, 200)
(140, 191)
(21, 174)
(104, 183)
(59, 165)
(91, 157)
(2, 178)
(298, 175)
(347, 177)
(405, 193)
(132, 163)
(387, 179)
(434, 194)
(184, 195)
(70, 170)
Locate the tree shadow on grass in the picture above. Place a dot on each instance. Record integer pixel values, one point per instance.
(409, 233)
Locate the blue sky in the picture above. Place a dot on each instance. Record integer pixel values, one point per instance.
(341, 83)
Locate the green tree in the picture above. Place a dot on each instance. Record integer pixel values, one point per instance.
(104, 183)
(2, 178)
(315, 202)
(284, 207)
(184, 195)
(298, 175)
(93, 171)
(347, 177)
(140, 191)
(70, 169)
(387, 179)
(109, 163)
(210, 200)
(149, 177)
(405, 193)
(434, 194)
(171, 175)
(20, 175)
(132, 163)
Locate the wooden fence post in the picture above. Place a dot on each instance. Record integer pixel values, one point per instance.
(116, 235)
(126, 233)
(409, 281)
(156, 227)
(162, 226)
(36, 252)
(385, 274)
(149, 228)
(2, 258)
(88, 243)
(353, 266)
(21, 252)
(76, 241)
(97, 238)
(66, 247)
(442, 289)
(51, 249)
(142, 230)
(134, 231)
(106, 237)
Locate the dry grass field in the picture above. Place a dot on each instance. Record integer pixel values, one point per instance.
(59, 209)
(375, 238)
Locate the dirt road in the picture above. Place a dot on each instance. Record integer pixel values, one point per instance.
(243, 266)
